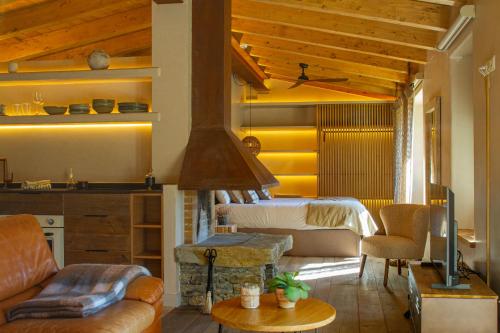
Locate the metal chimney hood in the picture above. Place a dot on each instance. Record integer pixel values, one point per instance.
(215, 158)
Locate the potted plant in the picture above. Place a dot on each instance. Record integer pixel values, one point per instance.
(288, 290)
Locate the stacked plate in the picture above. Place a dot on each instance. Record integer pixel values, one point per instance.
(79, 108)
(103, 105)
(132, 107)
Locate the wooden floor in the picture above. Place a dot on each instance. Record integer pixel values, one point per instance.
(363, 305)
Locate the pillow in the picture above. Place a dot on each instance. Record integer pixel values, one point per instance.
(236, 197)
(251, 197)
(264, 194)
(222, 197)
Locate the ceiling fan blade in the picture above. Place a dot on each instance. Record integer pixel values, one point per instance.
(331, 80)
(297, 84)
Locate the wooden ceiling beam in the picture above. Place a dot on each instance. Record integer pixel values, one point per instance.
(407, 13)
(334, 87)
(163, 2)
(76, 35)
(333, 23)
(442, 2)
(246, 67)
(363, 61)
(10, 5)
(34, 18)
(317, 70)
(324, 39)
(120, 46)
(355, 69)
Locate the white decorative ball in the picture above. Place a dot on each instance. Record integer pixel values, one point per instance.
(98, 59)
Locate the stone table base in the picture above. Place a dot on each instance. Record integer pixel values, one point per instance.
(227, 281)
(241, 258)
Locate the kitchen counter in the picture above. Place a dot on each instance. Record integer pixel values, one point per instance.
(93, 188)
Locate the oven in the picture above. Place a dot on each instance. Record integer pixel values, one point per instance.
(53, 229)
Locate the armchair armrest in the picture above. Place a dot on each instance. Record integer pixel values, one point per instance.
(145, 289)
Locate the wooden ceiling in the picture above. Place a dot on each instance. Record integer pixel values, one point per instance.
(373, 43)
(69, 29)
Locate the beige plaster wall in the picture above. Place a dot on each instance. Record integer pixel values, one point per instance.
(109, 154)
(171, 91)
(486, 34)
(487, 44)
(106, 154)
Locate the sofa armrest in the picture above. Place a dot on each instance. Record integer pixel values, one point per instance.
(145, 289)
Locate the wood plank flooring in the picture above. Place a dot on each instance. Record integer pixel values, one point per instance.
(363, 305)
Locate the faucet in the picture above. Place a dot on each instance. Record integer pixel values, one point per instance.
(6, 179)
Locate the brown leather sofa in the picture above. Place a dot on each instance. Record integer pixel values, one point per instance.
(27, 264)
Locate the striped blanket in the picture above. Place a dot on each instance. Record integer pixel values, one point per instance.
(79, 291)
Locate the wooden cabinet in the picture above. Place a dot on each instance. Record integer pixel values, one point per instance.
(438, 310)
(97, 228)
(31, 203)
(107, 228)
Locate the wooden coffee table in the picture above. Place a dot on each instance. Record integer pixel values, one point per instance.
(309, 314)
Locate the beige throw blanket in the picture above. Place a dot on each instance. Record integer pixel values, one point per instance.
(341, 212)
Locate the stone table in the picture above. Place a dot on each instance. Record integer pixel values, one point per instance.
(241, 258)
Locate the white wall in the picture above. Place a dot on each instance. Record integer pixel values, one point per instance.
(418, 152)
(462, 136)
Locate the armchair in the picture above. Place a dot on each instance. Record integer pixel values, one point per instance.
(406, 227)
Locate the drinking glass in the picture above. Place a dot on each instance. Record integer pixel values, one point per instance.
(38, 101)
(26, 109)
(17, 110)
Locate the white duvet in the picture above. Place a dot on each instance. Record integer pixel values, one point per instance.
(289, 213)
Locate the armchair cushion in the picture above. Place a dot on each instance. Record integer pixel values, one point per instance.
(390, 247)
(398, 219)
(145, 289)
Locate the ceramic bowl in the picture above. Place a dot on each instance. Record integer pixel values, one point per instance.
(103, 101)
(79, 109)
(55, 110)
(103, 105)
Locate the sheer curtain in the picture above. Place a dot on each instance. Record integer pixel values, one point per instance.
(403, 128)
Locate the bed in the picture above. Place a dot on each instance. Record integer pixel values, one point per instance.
(297, 216)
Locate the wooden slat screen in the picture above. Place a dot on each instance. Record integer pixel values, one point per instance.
(356, 152)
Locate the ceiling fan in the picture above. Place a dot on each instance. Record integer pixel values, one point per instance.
(303, 78)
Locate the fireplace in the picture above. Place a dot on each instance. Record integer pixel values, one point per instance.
(199, 216)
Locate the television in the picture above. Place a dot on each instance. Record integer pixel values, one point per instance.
(443, 238)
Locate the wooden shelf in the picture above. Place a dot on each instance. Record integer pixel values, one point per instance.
(289, 151)
(147, 232)
(80, 119)
(256, 103)
(147, 226)
(279, 128)
(79, 76)
(296, 175)
(148, 255)
(468, 237)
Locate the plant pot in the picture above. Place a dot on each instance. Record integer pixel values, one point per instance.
(283, 301)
